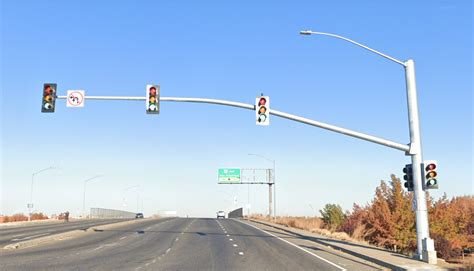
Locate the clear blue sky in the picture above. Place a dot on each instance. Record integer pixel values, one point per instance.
(234, 51)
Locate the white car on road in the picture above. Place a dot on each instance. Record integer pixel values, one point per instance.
(221, 214)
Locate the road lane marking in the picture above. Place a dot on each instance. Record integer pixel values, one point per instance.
(106, 245)
(28, 237)
(290, 243)
(230, 239)
(63, 238)
(227, 235)
(19, 235)
(123, 237)
(241, 253)
(235, 245)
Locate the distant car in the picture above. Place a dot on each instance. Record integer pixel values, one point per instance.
(221, 214)
(139, 215)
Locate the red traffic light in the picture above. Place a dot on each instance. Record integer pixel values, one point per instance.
(152, 91)
(47, 90)
(431, 167)
(262, 101)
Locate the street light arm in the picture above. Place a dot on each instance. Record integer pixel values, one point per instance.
(44, 169)
(309, 32)
(128, 188)
(90, 179)
(268, 159)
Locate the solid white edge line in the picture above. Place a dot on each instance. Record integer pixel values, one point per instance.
(288, 242)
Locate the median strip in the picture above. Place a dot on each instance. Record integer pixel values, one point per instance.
(66, 235)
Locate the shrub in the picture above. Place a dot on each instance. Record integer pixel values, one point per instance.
(38, 216)
(333, 216)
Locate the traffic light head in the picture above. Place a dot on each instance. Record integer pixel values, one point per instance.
(152, 99)
(431, 174)
(49, 98)
(262, 110)
(408, 177)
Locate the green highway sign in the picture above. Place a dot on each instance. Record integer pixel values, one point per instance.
(229, 175)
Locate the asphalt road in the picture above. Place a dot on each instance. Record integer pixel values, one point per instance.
(13, 234)
(179, 244)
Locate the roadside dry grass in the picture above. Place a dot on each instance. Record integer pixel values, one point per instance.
(22, 217)
(311, 224)
(315, 225)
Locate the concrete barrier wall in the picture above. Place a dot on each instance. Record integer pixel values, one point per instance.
(110, 213)
(237, 213)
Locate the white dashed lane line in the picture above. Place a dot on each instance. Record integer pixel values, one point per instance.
(241, 253)
(29, 237)
(106, 245)
(294, 245)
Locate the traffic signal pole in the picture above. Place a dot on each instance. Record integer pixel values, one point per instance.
(425, 245)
